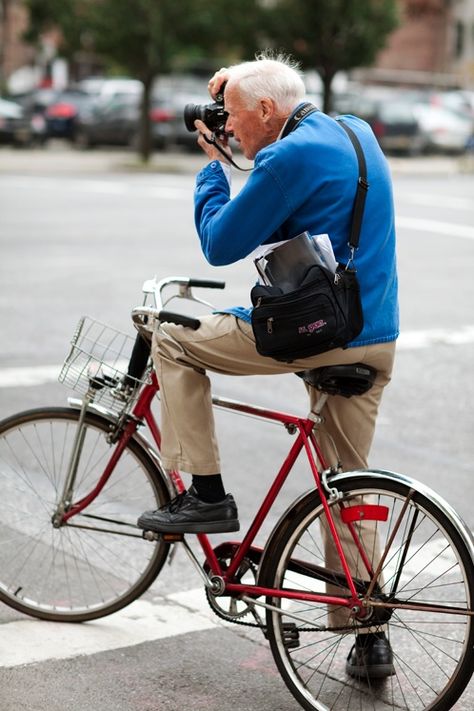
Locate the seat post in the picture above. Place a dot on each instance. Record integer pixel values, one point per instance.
(315, 413)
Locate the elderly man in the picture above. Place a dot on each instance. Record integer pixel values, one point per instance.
(302, 180)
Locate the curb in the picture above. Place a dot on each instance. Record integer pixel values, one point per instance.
(58, 159)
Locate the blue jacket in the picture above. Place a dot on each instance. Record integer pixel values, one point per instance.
(307, 181)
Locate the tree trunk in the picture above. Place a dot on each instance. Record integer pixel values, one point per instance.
(4, 32)
(326, 77)
(145, 141)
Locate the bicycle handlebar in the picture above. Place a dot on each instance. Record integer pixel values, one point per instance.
(180, 319)
(142, 315)
(207, 283)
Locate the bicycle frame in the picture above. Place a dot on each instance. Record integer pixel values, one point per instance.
(305, 439)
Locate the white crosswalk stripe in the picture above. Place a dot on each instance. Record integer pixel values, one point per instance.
(29, 641)
(409, 340)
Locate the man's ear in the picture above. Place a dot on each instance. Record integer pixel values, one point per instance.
(267, 109)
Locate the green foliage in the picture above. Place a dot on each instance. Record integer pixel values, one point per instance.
(332, 35)
(65, 15)
(144, 38)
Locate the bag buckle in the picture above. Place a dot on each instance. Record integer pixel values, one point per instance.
(351, 256)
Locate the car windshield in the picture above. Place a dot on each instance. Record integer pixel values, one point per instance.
(396, 112)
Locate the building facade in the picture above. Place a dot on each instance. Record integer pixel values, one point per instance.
(433, 45)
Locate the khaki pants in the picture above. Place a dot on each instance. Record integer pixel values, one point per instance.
(225, 344)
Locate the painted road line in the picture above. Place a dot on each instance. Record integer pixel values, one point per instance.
(449, 202)
(408, 340)
(420, 224)
(28, 375)
(414, 340)
(103, 187)
(29, 641)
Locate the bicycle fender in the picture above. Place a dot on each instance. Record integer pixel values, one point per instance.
(312, 496)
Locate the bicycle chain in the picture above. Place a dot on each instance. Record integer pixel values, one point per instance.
(237, 621)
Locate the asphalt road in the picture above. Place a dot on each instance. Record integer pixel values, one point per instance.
(79, 233)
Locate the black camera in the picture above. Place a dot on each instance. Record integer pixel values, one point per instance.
(213, 115)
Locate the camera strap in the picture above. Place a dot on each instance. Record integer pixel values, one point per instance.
(293, 121)
(297, 116)
(214, 142)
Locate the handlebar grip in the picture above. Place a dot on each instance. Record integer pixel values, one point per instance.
(207, 284)
(139, 358)
(179, 319)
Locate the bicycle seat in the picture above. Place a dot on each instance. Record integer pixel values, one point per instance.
(345, 380)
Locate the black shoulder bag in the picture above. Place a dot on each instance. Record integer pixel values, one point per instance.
(324, 311)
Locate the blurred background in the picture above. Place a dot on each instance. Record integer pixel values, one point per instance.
(116, 72)
(97, 174)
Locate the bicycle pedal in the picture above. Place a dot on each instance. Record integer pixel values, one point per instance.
(166, 537)
(291, 635)
(172, 537)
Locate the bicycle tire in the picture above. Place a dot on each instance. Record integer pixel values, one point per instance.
(432, 555)
(73, 574)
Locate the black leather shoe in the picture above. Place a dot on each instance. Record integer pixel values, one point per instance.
(188, 514)
(370, 657)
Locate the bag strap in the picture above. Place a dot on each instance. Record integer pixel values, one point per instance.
(362, 183)
(362, 187)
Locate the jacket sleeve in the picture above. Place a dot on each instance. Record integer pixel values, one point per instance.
(230, 229)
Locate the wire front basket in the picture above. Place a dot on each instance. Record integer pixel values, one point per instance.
(98, 362)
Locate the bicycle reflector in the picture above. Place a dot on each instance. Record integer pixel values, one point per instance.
(364, 512)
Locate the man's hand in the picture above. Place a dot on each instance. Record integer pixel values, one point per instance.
(215, 83)
(209, 148)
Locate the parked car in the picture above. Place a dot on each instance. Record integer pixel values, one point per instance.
(391, 116)
(443, 130)
(414, 121)
(101, 87)
(115, 120)
(15, 125)
(458, 100)
(397, 128)
(61, 114)
(54, 111)
(179, 90)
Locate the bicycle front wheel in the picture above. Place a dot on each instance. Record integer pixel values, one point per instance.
(423, 597)
(98, 561)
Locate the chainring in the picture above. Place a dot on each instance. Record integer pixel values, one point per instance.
(231, 608)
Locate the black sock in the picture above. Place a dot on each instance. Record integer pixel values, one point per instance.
(209, 488)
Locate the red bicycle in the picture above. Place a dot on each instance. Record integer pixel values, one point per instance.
(74, 480)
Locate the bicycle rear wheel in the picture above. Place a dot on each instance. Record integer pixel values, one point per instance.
(98, 562)
(427, 576)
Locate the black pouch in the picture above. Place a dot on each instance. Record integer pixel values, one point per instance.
(323, 313)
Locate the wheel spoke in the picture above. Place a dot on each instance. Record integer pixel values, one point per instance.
(73, 572)
(422, 595)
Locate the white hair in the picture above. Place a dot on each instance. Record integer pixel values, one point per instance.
(277, 78)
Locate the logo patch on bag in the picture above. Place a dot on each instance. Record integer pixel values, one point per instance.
(312, 327)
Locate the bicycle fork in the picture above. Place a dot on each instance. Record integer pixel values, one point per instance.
(65, 500)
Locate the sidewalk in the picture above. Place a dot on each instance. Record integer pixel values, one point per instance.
(59, 158)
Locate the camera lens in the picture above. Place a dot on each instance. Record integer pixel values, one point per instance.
(191, 113)
(213, 115)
